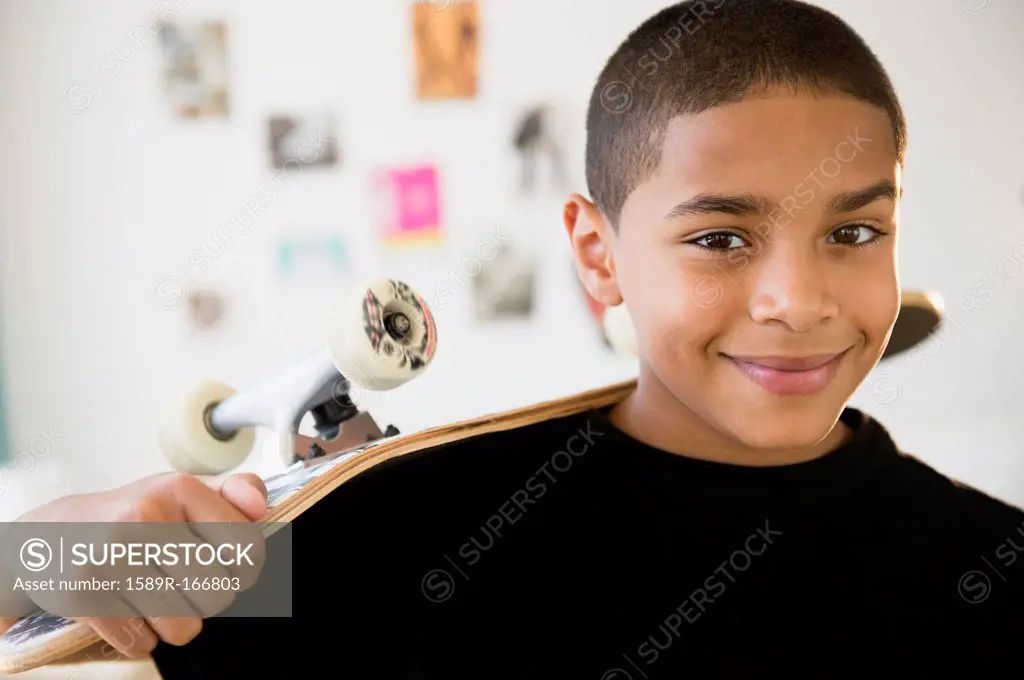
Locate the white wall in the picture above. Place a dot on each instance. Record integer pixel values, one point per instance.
(96, 207)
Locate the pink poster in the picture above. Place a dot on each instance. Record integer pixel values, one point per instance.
(408, 204)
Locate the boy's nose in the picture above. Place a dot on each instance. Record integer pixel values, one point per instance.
(793, 289)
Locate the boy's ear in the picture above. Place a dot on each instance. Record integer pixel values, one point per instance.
(593, 243)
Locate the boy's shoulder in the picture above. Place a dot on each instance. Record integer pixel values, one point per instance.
(929, 482)
(977, 539)
(953, 507)
(484, 462)
(419, 502)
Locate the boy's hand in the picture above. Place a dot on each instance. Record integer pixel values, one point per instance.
(171, 497)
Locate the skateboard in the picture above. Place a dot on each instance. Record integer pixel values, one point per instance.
(921, 315)
(209, 430)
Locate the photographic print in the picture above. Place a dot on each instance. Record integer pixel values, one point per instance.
(541, 157)
(446, 49)
(195, 68)
(505, 288)
(307, 140)
(408, 205)
(312, 254)
(206, 309)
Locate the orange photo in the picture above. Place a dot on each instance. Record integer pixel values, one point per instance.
(446, 49)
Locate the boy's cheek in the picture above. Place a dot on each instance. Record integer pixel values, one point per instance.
(872, 303)
(673, 299)
(676, 324)
(707, 291)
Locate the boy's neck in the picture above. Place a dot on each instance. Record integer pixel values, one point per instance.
(651, 414)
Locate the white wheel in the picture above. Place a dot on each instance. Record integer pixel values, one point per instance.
(618, 328)
(188, 445)
(381, 335)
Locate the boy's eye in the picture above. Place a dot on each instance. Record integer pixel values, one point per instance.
(720, 241)
(853, 234)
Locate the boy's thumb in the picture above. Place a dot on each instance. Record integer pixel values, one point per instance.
(246, 491)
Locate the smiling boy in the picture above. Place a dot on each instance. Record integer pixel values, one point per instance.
(755, 323)
(733, 515)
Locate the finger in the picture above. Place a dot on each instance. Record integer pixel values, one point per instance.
(247, 492)
(219, 523)
(132, 637)
(205, 589)
(202, 501)
(239, 557)
(6, 623)
(249, 478)
(151, 591)
(176, 630)
(253, 479)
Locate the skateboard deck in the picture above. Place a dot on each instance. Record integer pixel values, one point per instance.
(42, 639)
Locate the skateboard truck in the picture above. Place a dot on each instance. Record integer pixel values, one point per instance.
(330, 418)
(340, 425)
(379, 336)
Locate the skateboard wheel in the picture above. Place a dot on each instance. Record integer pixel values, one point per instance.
(381, 335)
(187, 443)
(618, 328)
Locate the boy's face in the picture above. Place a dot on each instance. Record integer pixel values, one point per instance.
(766, 331)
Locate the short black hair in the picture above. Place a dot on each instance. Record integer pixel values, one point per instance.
(698, 54)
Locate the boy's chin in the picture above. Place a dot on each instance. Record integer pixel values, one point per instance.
(786, 432)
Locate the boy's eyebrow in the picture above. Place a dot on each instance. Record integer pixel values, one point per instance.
(747, 205)
(739, 205)
(855, 200)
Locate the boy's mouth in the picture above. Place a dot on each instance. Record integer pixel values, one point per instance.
(790, 375)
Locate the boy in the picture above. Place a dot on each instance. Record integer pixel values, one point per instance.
(733, 514)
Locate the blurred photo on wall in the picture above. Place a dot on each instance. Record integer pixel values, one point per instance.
(195, 68)
(505, 287)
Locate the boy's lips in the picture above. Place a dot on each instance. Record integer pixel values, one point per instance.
(788, 374)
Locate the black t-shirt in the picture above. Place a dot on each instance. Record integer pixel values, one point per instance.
(568, 549)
